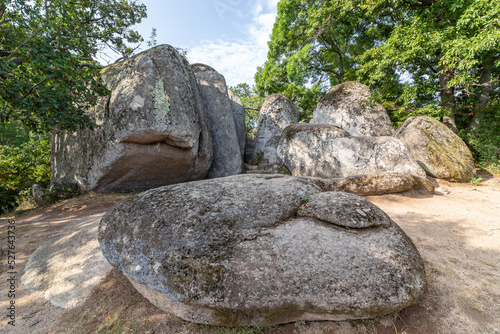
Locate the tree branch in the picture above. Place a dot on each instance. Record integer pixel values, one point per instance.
(33, 88)
(23, 44)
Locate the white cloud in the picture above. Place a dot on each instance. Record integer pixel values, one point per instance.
(238, 59)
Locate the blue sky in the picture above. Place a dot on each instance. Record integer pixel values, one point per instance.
(229, 35)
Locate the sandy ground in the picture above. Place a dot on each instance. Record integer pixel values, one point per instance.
(457, 232)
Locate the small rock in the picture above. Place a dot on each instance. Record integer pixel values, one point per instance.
(41, 196)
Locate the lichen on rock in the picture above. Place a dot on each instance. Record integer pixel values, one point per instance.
(161, 101)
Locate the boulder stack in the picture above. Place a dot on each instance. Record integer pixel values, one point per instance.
(151, 131)
(326, 151)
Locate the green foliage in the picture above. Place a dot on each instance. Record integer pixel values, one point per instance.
(476, 180)
(8, 200)
(434, 58)
(484, 141)
(22, 166)
(252, 102)
(48, 52)
(24, 160)
(315, 44)
(447, 51)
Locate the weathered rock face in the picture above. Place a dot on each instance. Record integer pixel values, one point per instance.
(276, 114)
(239, 118)
(348, 106)
(261, 250)
(439, 151)
(376, 184)
(326, 151)
(227, 158)
(151, 131)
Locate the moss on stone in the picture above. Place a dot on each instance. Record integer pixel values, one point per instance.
(161, 101)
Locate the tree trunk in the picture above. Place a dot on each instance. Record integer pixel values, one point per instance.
(483, 97)
(447, 98)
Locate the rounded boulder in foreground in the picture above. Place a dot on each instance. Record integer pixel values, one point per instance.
(262, 250)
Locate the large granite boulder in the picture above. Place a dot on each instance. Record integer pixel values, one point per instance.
(437, 149)
(349, 106)
(277, 112)
(239, 118)
(326, 151)
(151, 131)
(227, 157)
(262, 250)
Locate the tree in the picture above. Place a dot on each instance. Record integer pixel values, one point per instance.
(450, 49)
(24, 160)
(434, 57)
(315, 45)
(48, 51)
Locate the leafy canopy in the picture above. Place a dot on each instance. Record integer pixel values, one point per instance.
(432, 57)
(314, 46)
(48, 51)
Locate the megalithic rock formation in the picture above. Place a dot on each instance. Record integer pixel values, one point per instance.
(151, 131)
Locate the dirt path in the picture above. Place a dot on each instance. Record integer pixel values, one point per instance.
(457, 232)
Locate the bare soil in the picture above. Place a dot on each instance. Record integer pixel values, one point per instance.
(457, 232)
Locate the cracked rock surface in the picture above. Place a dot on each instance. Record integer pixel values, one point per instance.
(326, 151)
(261, 250)
(225, 141)
(277, 112)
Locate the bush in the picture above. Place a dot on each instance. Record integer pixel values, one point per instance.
(8, 200)
(24, 161)
(484, 141)
(25, 165)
